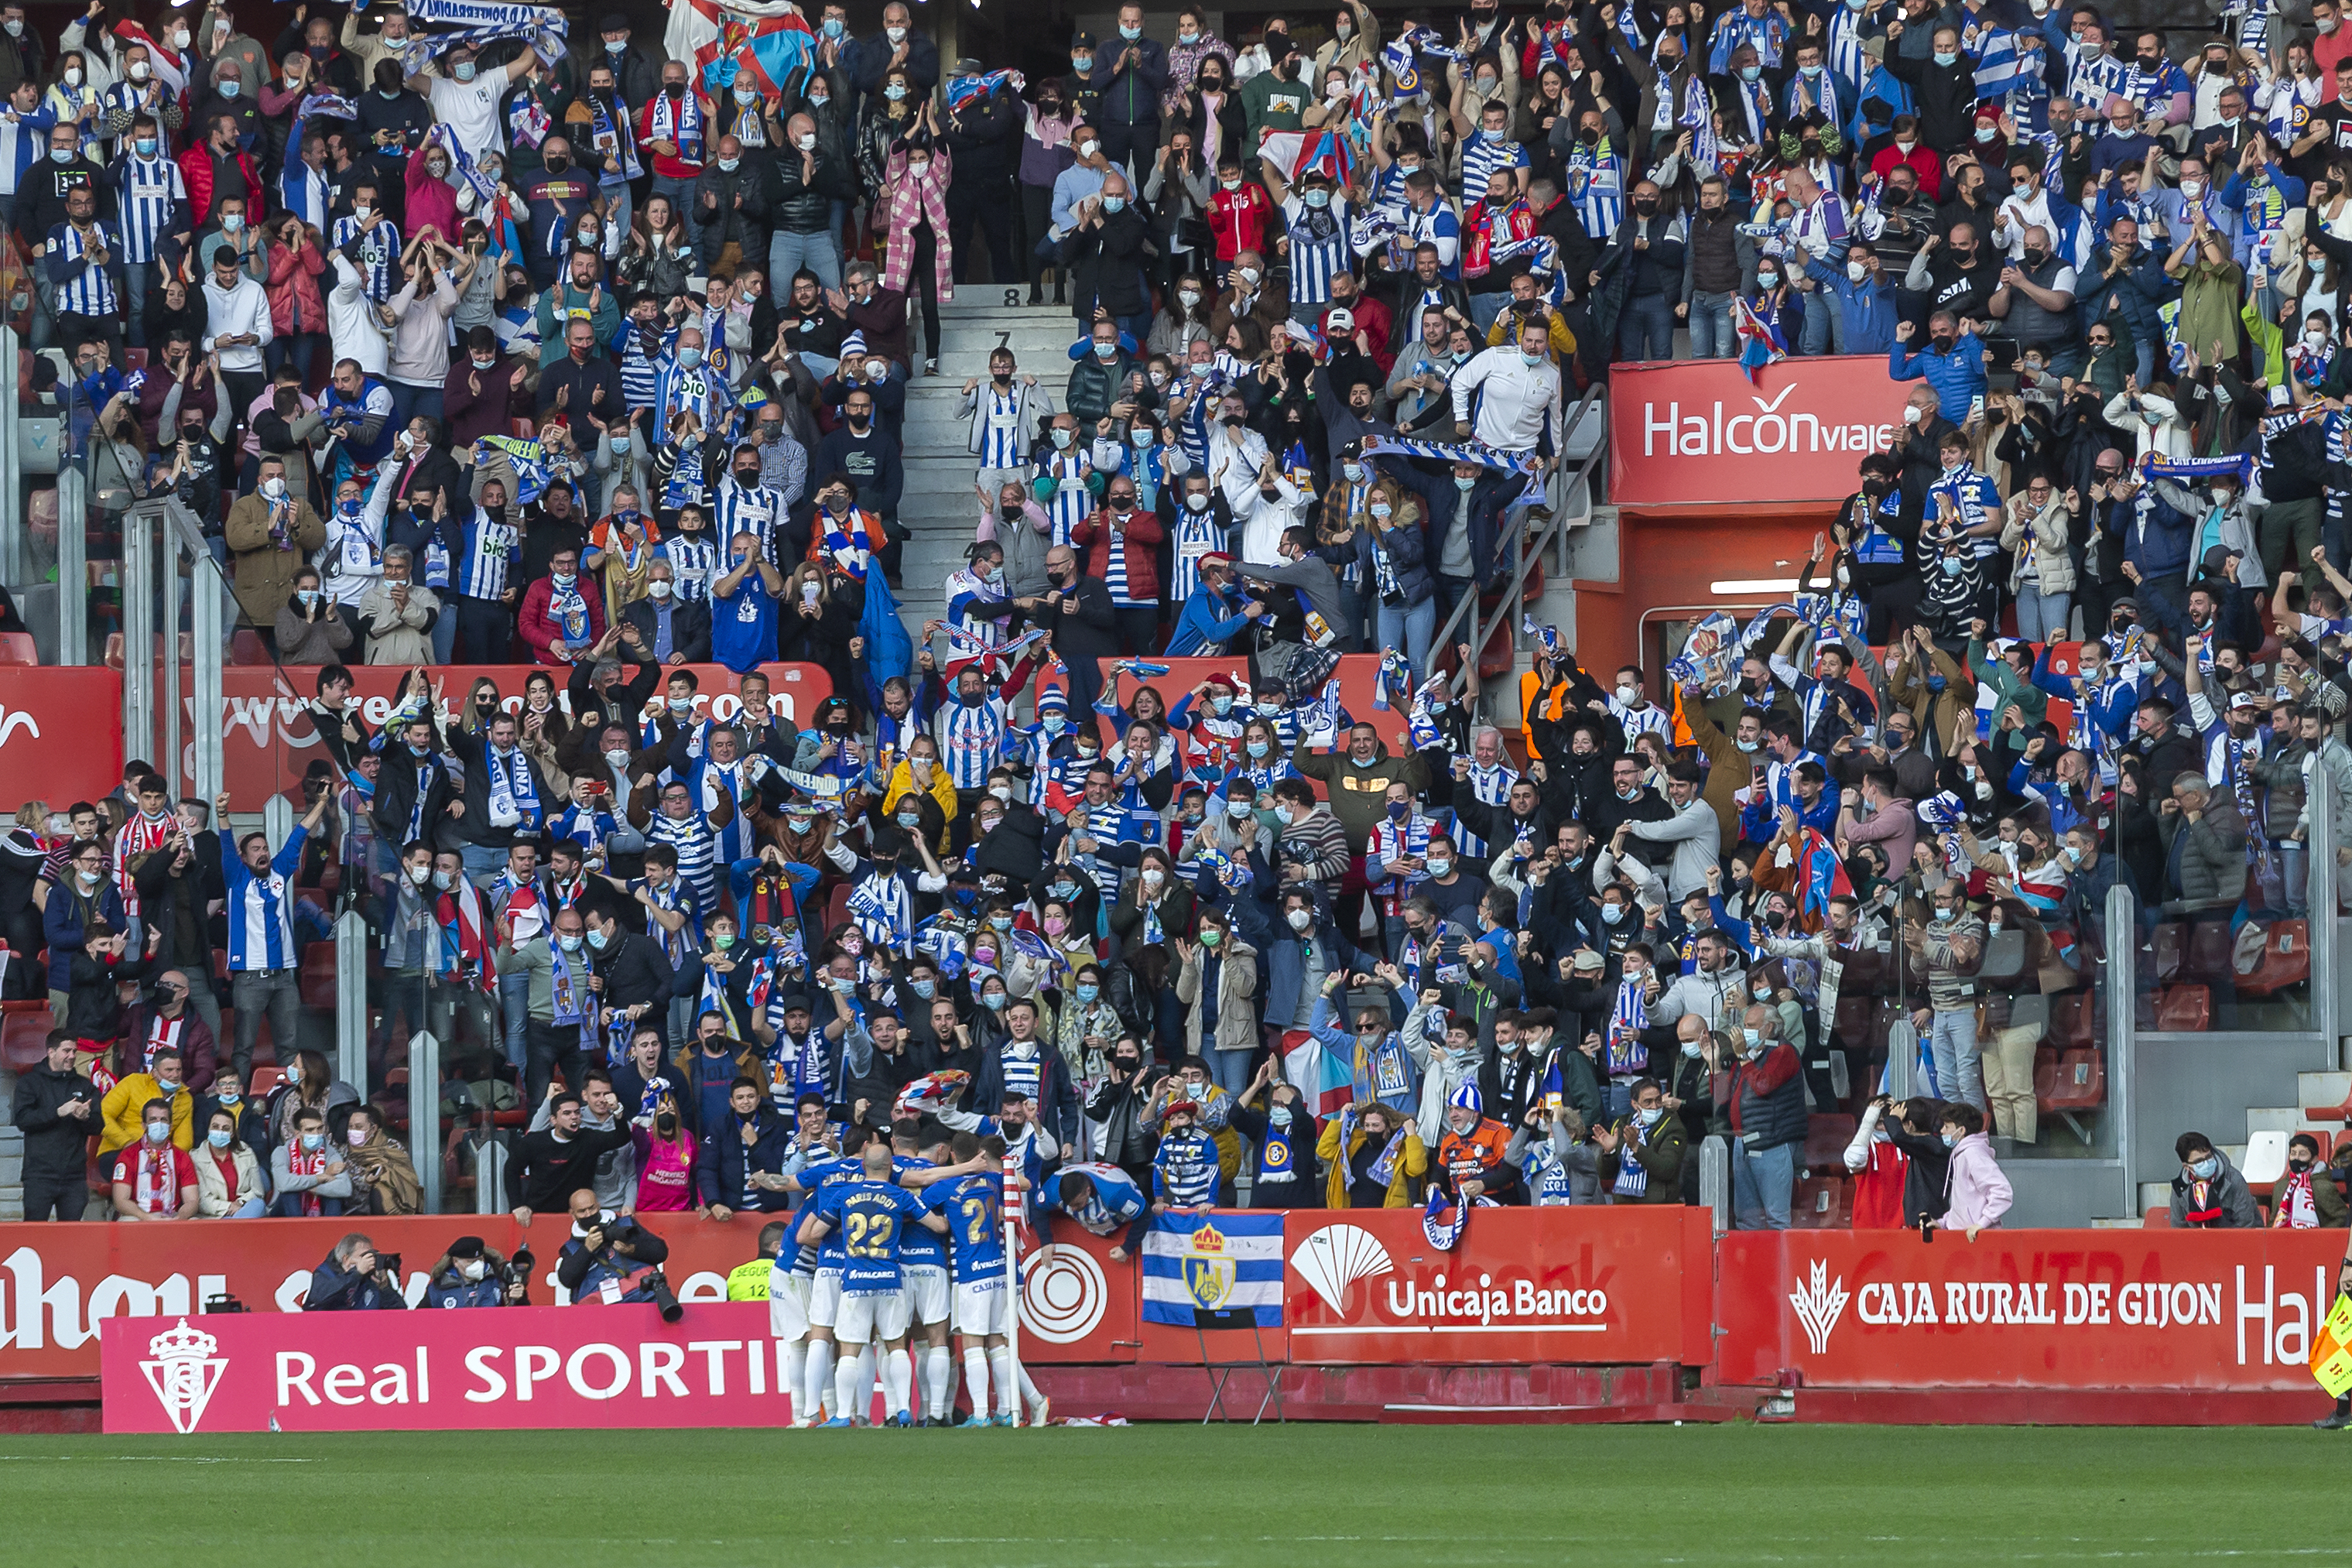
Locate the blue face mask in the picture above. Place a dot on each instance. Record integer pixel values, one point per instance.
(1749, 73)
(1258, 750)
(1089, 992)
(147, 145)
(924, 988)
(1531, 360)
(1465, 483)
(1319, 198)
(689, 356)
(1130, 34)
(1221, 706)
(1114, 205)
(993, 1001)
(1946, 57)
(833, 27)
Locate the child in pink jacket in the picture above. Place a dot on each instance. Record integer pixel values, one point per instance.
(1975, 1192)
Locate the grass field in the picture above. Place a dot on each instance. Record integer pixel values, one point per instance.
(1179, 1496)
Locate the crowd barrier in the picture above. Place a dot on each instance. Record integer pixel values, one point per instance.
(2019, 1313)
(61, 736)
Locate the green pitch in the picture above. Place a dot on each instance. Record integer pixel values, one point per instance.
(1358, 1497)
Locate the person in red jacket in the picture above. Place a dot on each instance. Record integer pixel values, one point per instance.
(1239, 211)
(561, 616)
(1765, 1094)
(1122, 541)
(215, 167)
(1909, 150)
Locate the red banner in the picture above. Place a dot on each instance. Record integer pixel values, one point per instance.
(2144, 1309)
(1699, 432)
(1359, 673)
(495, 1369)
(1521, 1285)
(265, 744)
(61, 736)
(60, 1283)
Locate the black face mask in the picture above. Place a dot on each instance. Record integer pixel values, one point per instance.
(1010, 513)
(1002, 377)
(556, 162)
(747, 476)
(1645, 205)
(2036, 257)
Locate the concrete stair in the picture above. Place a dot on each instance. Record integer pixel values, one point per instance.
(2314, 1092)
(938, 506)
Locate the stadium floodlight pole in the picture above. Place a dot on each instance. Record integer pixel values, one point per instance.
(1011, 1206)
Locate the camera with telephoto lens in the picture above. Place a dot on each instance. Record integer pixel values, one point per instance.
(387, 1264)
(517, 1272)
(656, 1285)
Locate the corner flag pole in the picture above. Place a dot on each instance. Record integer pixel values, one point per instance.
(1012, 1206)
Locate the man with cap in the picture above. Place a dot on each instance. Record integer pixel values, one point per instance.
(634, 76)
(977, 606)
(1470, 1157)
(471, 1275)
(1215, 613)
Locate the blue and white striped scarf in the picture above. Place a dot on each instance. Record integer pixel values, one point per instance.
(1484, 457)
(471, 24)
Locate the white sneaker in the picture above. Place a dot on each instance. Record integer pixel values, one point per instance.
(1041, 1411)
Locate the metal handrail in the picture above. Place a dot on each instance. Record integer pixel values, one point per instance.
(1522, 557)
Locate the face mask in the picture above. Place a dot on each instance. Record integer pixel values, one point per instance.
(596, 939)
(1301, 919)
(1086, 149)
(314, 1142)
(1946, 56)
(1612, 913)
(64, 154)
(219, 1137)
(1248, 275)
(689, 356)
(465, 72)
(1767, 280)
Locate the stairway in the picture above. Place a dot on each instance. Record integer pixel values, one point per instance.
(2320, 1096)
(936, 504)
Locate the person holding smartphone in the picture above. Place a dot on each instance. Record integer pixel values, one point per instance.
(55, 1107)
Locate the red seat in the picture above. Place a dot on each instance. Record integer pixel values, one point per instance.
(523, 429)
(245, 648)
(1826, 1135)
(2184, 1010)
(25, 1038)
(135, 359)
(2071, 1020)
(2077, 1080)
(2286, 959)
(1822, 1202)
(318, 981)
(16, 648)
(265, 1078)
(837, 910)
(2212, 948)
(114, 656)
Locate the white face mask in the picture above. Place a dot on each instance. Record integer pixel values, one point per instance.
(805, 141)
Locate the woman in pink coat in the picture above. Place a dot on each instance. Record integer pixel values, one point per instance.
(665, 1162)
(298, 312)
(432, 199)
(912, 218)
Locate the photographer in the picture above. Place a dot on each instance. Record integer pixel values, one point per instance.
(611, 1258)
(474, 1274)
(356, 1279)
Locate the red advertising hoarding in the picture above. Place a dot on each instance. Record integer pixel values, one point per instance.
(60, 1283)
(496, 1368)
(1699, 432)
(266, 744)
(61, 736)
(1600, 1285)
(2144, 1309)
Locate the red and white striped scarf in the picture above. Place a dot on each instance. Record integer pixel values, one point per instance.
(461, 906)
(140, 836)
(155, 1187)
(302, 1162)
(162, 1032)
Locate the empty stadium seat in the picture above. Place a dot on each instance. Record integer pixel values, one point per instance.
(318, 981)
(265, 1075)
(16, 648)
(114, 650)
(2184, 1010)
(2210, 948)
(245, 648)
(2265, 1158)
(2072, 1021)
(1826, 1135)
(23, 1035)
(2160, 953)
(2286, 959)
(2075, 1083)
(1822, 1203)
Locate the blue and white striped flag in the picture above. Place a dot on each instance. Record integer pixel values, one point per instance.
(1213, 1268)
(1999, 65)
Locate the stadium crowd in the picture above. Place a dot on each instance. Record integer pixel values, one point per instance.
(589, 361)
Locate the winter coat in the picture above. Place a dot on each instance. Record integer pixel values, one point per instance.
(1236, 985)
(265, 571)
(907, 202)
(295, 303)
(1143, 537)
(2053, 564)
(1976, 1193)
(1412, 1162)
(2227, 1203)
(213, 1199)
(1407, 547)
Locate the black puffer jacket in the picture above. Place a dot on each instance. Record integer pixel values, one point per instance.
(797, 205)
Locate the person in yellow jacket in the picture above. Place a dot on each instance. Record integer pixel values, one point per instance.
(919, 774)
(749, 1281)
(125, 1106)
(1368, 1130)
